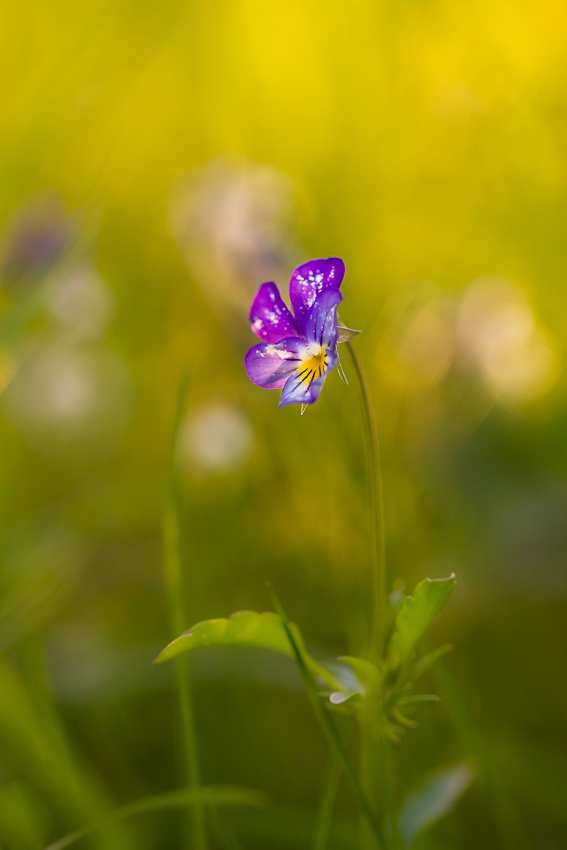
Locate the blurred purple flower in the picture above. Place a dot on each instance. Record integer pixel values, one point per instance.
(298, 350)
(35, 238)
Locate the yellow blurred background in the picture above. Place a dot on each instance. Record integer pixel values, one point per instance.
(158, 162)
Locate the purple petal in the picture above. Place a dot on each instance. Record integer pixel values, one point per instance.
(269, 365)
(320, 322)
(299, 391)
(269, 317)
(310, 279)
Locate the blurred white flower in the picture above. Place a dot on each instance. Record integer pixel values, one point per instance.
(497, 329)
(68, 402)
(215, 438)
(234, 221)
(428, 343)
(82, 305)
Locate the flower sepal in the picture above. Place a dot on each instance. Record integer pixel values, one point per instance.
(345, 334)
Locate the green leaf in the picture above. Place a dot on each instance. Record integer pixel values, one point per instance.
(417, 614)
(433, 800)
(245, 628)
(215, 796)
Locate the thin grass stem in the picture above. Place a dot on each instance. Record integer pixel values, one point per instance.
(174, 577)
(371, 759)
(376, 500)
(328, 727)
(325, 814)
(212, 797)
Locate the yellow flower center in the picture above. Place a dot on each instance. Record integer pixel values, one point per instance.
(313, 363)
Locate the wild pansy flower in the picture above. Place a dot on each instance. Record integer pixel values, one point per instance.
(299, 350)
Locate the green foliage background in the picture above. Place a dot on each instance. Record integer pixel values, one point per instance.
(425, 143)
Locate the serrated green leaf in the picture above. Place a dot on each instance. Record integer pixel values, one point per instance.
(244, 628)
(417, 614)
(433, 800)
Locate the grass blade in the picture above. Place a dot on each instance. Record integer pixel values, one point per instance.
(221, 795)
(325, 813)
(174, 578)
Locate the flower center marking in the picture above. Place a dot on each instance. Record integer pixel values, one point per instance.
(314, 363)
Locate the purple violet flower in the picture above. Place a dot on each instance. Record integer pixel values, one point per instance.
(298, 350)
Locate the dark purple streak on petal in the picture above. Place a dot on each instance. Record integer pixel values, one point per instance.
(300, 389)
(320, 323)
(270, 319)
(312, 278)
(298, 392)
(269, 365)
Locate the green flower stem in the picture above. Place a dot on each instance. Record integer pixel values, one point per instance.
(376, 498)
(173, 572)
(373, 768)
(328, 727)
